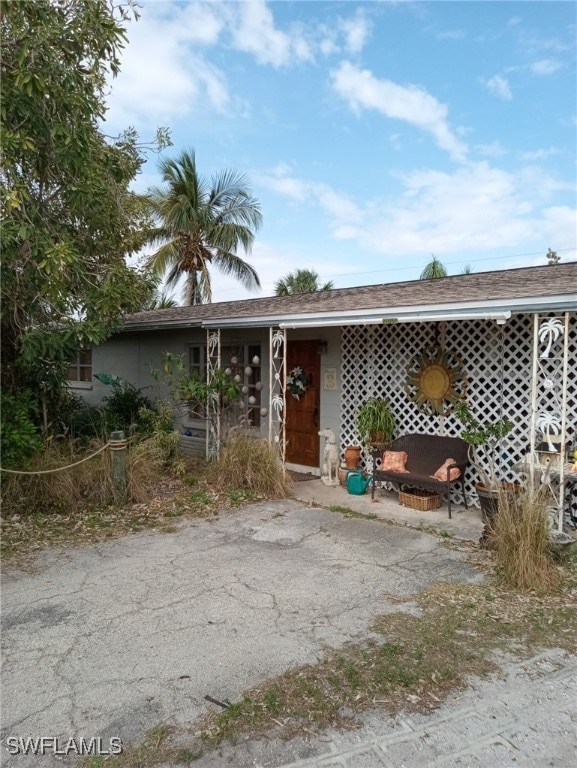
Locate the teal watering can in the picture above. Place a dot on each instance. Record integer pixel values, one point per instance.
(356, 482)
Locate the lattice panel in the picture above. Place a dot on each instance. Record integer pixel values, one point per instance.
(498, 364)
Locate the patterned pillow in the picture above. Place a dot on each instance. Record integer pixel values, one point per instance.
(394, 461)
(441, 473)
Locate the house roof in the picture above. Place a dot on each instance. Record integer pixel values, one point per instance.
(527, 289)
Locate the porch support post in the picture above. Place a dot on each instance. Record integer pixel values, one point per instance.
(277, 390)
(213, 402)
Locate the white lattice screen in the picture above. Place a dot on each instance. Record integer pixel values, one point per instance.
(497, 361)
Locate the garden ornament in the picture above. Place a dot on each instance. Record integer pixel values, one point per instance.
(329, 473)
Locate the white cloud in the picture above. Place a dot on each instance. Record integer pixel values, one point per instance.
(545, 66)
(452, 34)
(356, 31)
(494, 149)
(255, 32)
(338, 206)
(411, 103)
(539, 154)
(161, 78)
(477, 208)
(499, 87)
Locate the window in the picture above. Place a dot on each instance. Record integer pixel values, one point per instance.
(246, 357)
(197, 367)
(80, 368)
(239, 359)
(197, 361)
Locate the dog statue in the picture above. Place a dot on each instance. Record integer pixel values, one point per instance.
(329, 474)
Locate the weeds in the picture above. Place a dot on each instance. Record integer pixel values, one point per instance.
(520, 538)
(247, 463)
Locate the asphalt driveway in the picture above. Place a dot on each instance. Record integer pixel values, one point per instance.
(112, 639)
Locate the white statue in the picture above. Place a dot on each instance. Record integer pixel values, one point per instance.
(329, 473)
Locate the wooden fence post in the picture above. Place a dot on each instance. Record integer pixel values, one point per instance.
(118, 456)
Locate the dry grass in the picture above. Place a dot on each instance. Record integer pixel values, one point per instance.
(520, 538)
(252, 464)
(88, 483)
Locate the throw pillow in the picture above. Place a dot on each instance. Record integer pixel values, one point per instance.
(441, 473)
(394, 461)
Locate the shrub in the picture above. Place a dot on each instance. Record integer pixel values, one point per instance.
(122, 406)
(520, 537)
(19, 436)
(253, 464)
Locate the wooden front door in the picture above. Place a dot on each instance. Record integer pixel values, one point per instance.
(302, 416)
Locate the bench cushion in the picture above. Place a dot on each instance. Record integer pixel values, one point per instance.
(441, 473)
(394, 461)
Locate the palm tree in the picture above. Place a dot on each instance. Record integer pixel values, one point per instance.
(300, 281)
(201, 225)
(433, 269)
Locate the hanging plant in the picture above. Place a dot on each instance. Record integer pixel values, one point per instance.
(297, 383)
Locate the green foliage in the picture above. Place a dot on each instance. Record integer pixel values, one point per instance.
(300, 281)
(376, 418)
(69, 218)
(193, 389)
(479, 433)
(201, 226)
(19, 437)
(433, 270)
(483, 434)
(121, 408)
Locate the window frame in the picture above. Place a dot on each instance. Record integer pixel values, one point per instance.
(77, 365)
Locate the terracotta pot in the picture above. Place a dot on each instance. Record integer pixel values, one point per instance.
(342, 474)
(352, 456)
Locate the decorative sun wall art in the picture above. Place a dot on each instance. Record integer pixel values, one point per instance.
(435, 381)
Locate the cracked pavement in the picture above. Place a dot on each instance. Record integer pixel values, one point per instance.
(112, 639)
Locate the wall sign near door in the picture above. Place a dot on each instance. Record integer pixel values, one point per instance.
(330, 379)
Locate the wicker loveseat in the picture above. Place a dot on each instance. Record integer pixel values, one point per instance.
(425, 455)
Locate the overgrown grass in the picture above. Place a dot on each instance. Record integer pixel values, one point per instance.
(80, 505)
(247, 463)
(520, 538)
(88, 483)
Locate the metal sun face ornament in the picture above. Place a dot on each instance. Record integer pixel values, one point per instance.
(435, 381)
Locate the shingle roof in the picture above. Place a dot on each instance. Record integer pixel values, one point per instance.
(460, 291)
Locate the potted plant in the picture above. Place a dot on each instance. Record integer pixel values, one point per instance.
(376, 422)
(483, 439)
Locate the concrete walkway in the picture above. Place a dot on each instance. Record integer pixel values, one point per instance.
(465, 524)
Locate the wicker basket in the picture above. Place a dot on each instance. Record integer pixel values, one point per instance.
(418, 499)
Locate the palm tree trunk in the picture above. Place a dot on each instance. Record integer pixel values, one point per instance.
(190, 289)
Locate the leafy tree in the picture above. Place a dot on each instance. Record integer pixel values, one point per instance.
(552, 257)
(69, 218)
(433, 269)
(160, 298)
(300, 281)
(202, 225)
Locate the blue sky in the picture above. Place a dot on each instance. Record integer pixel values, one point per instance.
(374, 134)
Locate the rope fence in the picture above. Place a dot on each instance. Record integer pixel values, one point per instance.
(117, 445)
